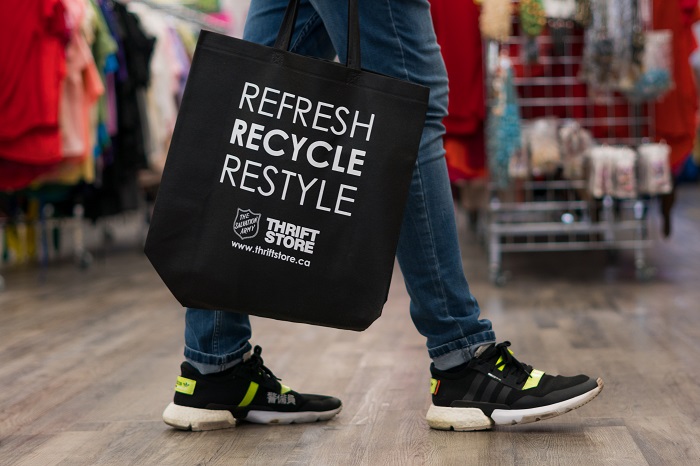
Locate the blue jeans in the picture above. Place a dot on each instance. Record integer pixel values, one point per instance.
(397, 39)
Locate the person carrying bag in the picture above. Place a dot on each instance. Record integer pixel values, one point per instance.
(287, 182)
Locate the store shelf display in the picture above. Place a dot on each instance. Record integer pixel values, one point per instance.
(578, 181)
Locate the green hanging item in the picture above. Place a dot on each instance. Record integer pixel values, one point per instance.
(532, 22)
(532, 17)
(208, 6)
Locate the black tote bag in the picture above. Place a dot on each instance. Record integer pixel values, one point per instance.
(286, 180)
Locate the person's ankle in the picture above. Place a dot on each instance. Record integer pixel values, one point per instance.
(456, 361)
(213, 369)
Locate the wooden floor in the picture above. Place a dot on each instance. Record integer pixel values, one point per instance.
(89, 360)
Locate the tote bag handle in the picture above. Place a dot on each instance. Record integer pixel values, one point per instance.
(284, 36)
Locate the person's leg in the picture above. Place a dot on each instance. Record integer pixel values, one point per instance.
(479, 389)
(218, 340)
(397, 39)
(217, 384)
(471, 390)
(215, 340)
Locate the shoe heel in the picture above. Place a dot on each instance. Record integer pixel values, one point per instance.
(459, 419)
(186, 418)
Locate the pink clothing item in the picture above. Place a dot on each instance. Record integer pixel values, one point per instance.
(81, 88)
(73, 141)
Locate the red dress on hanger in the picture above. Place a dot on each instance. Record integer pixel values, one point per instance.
(31, 71)
(675, 113)
(457, 29)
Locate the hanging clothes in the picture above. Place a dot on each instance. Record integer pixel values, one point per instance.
(104, 49)
(89, 94)
(74, 92)
(82, 89)
(33, 67)
(457, 29)
(675, 122)
(116, 69)
(31, 71)
(138, 49)
(118, 190)
(160, 97)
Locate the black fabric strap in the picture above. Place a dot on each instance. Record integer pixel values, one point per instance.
(284, 36)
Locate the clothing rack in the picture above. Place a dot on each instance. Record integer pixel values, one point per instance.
(60, 232)
(184, 13)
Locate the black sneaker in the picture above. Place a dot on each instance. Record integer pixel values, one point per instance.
(494, 388)
(247, 392)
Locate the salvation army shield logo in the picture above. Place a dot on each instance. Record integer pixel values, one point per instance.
(246, 224)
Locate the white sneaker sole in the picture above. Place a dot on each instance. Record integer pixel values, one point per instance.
(196, 419)
(468, 419)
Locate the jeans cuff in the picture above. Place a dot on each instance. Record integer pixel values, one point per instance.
(459, 351)
(208, 363)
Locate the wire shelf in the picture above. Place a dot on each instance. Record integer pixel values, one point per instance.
(555, 214)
